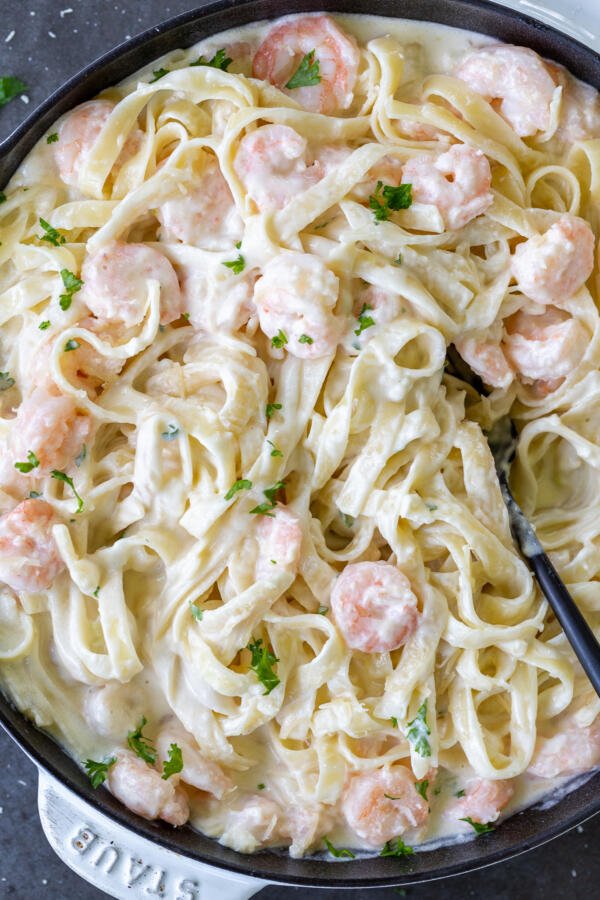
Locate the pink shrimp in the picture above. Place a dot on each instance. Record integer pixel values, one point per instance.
(336, 54)
(388, 170)
(381, 805)
(579, 110)
(279, 541)
(205, 216)
(544, 347)
(457, 182)
(374, 606)
(116, 283)
(483, 801)
(487, 360)
(253, 825)
(555, 265)
(50, 426)
(574, 750)
(273, 165)
(77, 135)
(199, 772)
(29, 557)
(142, 789)
(295, 298)
(516, 81)
(381, 305)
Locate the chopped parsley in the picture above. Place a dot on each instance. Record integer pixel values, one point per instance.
(72, 344)
(280, 340)
(158, 73)
(398, 260)
(62, 476)
(389, 797)
(141, 745)
(270, 409)
(418, 731)
(171, 433)
(236, 265)
(364, 321)
(52, 138)
(52, 236)
(347, 520)
(81, 456)
(394, 721)
(33, 495)
(262, 665)
(305, 339)
(322, 610)
(2, 197)
(174, 763)
(96, 591)
(10, 87)
(261, 786)
(196, 612)
(396, 848)
(460, 793)
(45, 324)
(387, 198)
(242, 484)
(219, 61)
(7, 381)
(32, 463)
(421, 788)
(338, 853)
(264, 509)
(72, 285)
(307, 74)
(478, 827)
(98, 771)
(275, 451)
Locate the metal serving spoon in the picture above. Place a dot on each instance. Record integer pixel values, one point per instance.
(502, 440)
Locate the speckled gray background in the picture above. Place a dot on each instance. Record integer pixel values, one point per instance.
(44, 42)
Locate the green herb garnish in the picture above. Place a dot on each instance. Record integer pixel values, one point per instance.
(396, 848)
(62, 476)
(158, 73)
(307, 74)
(236, 265)
(261, 786)
(71, 345)
(219, 61)
(32, 463)
(338, 853)
(10, 87)
(262, 664)
(418, 731)
(460, 793)
(280, 340)
(242, 484)
(387, 198)
(33, 495)
(196, 612)
(81, 456)
(275, 451)
(96, 591)
(394, 721)
(72, 285)
(141, 745)
(98, 771)
(478, 827)
(305, 339)
(52, 236)
(52, 138)
(171, 433)
(271, 408)
(2, 197)
(364, 321)
(45, 324)
(264, 509)
(7, 381)
(322, 610)
(421, 788)
(174, 763)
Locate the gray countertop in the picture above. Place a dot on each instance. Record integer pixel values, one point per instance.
(44, 42)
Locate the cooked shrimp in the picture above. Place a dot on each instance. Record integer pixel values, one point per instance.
(336, 53)
(29, 558)
(50, 426)
(483, 800)
(77, 135)
(579, 109)
(205, 216)
(388, 170)
(279, 541)
(516, 81)
(457, 182)
(84, 366)
(487, 360)
(199, 772)
(253, 825)
(544, 347)
(143, 790)
(116, 283)
(374, 606)
(273, 165)
(555, 265)
(381, 305)
(295, 297)
(382, 804)
(571, 751)
(113, 709)
(305, 825)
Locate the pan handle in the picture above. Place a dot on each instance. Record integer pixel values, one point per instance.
(123, 864)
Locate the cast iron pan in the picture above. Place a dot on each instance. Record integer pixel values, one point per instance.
(519, 833)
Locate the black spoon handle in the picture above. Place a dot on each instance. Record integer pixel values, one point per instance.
(580, 635)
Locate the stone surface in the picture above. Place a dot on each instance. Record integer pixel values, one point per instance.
(44, 42)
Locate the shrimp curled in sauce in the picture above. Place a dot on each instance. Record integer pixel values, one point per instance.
(116, 283)
(545, 347)
(569, 752)
(49, 425)
(374, 607)
(483, 800)
(515, 80)
(383, 804)
(336, 53)
(199, 772)
(29, 558)
(457, 182)
(143, 790)
(280, 541)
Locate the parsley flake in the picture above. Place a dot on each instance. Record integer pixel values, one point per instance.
(2, 197)
(7, 381)
(364, 321)
(62, 476)
(460, 793)
(396, 848)
(34, 495)
(271, 409)
(32, 463)
(174, 763)
(141, 745)
(52, 138)
(262, 665)
(71, 345)
(158, 73)
(96, 591)
(322, 610)
(338, 853)
(421, 788)
(10, 87)
(478, 827)
(98, 771)
(45, 324)
(219, 61)
(264, 509)
(305, 339)
(196, 612)
(242, 484)
(387, 198)
(394, 721)
(261, 786)
(275, 451)
(52, 236)
(398, 260)
(307, 74)
(280, 339)
(171, 433)
(72, 285)
(81, 456)
(418, 731)
(236, 265)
